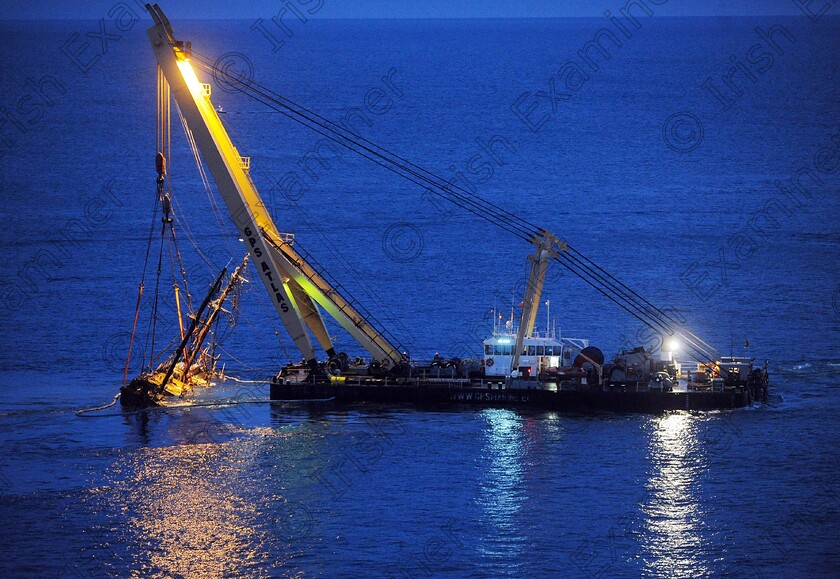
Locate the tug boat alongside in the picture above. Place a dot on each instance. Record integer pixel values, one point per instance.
(517, 366)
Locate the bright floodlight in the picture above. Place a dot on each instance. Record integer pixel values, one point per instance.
(673, 345)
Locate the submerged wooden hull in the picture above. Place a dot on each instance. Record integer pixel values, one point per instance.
(145, 391)
(139, 393)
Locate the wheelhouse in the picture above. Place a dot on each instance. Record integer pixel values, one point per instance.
(538, 355)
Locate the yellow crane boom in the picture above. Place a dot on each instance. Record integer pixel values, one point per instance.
(547, 246)
(295, 287)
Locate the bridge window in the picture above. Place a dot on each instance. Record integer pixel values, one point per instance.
(532, 350)
(488, 350)
(540, 350)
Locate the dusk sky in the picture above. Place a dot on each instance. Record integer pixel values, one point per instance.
(188, 9)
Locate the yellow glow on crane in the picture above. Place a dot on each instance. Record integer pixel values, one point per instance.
(189, 76)
(291, 281)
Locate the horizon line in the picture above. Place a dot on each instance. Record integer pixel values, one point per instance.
(757, 15)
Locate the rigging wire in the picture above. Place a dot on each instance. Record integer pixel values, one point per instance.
(351, 136)
(205, 181)
(215, 404)
(373, 295)
(181, 268)
(355, 303)
(594, 275)
(140, 287)
(593, 266)
(436, 185)
(154, 318)
(280, 246)
(85, 411)
(652, 316)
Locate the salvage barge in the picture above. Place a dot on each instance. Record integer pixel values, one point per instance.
(517, 367)
(521, 367)
(543, 396)
(648, 387)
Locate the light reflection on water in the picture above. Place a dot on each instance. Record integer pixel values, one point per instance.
(501, 493)
(672, 535)
(186, 515)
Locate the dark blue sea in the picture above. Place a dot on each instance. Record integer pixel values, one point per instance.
(696, 159)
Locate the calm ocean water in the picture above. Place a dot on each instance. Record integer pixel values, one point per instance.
(663, 178)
